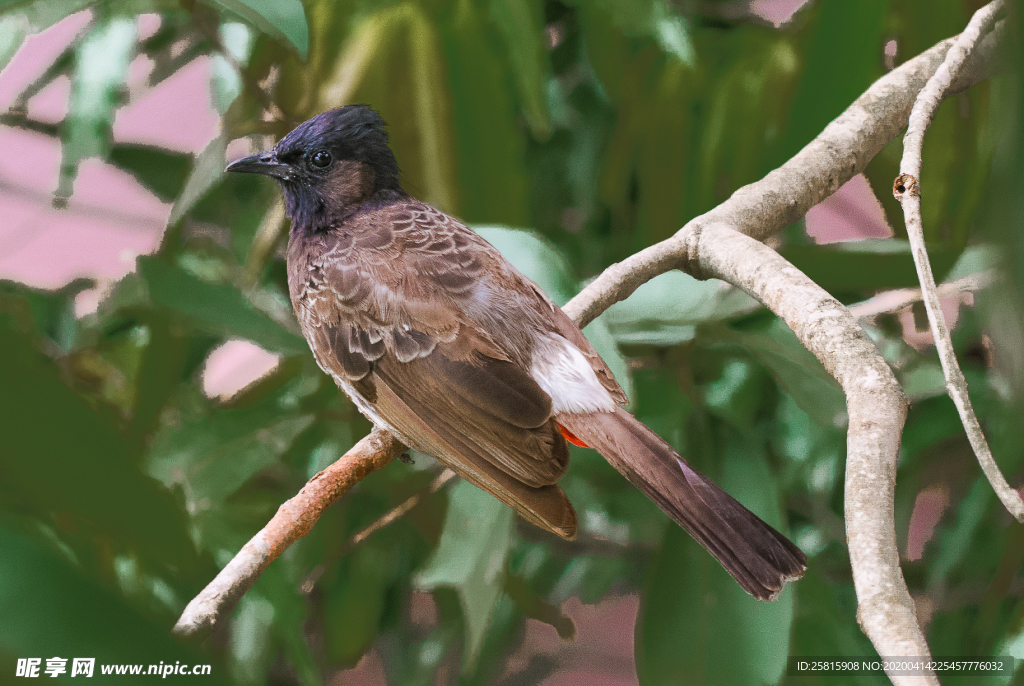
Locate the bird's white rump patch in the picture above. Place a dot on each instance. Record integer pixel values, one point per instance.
(565, 374)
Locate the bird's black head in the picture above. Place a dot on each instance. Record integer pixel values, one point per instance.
(330, 165)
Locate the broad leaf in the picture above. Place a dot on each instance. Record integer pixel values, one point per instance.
(101, 67)
(216, 308)
(471, 558)
(282, 19)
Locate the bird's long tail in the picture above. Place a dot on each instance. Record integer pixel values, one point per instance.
(760, 558)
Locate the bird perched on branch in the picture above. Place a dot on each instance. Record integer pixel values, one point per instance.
(438, 339)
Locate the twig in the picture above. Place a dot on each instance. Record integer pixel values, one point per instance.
(907, 190)
(401, 510)
(294, 519)
(895, 300)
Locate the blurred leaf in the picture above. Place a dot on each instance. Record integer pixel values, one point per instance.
(237, 41)
(282, 19)
(689, 599)
(654, 19)
(63, 457)
(471, 558)
(824, 625)
(52, 312)
(488, 139)
(42, 14)
(101, 67)
(12, 33)
(796, 370)
(954, 542)
(665, 310)
(216, 308)
(251, 649)
(866, 265)
(206, 171)
(535, 607)
(432, 111)
(841, 59)
(161, 171)
(51, 609)
(521, 25)
(355, 604)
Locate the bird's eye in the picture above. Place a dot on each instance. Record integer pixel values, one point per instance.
(321, 159)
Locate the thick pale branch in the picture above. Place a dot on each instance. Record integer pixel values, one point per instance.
(294, 519)
(907, 190)
(877, 410)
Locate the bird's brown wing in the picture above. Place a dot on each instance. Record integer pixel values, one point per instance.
(383, 308)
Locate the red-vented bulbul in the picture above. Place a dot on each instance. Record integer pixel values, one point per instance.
(438, 339)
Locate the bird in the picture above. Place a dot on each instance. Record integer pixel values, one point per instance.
(438, 339)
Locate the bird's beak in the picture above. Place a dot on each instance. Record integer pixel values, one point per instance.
(261, 163)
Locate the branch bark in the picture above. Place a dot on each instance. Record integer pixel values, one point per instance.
(876, 407)
(294, 519)
(907, 190)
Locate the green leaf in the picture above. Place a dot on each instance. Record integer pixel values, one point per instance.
(841, 60)
(282, 19)
(42, 14)
(666, 310)
(489, 142)
(51, 609)
(654, 19)
(695, 620)
(867, 265)
(521, 25)
(796, 370)
(354, 603)
(206, 171)
(471, 558)
(12, 33)
(58, 455)
(216, 308)
(100, 70)
(226, 83)
(161, 171)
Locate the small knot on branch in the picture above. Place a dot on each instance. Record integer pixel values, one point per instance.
(905, 184)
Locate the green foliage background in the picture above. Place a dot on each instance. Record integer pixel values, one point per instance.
(596, 128)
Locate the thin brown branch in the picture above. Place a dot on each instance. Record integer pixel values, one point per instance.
(439, 482)
(294, 519)
(908, 191)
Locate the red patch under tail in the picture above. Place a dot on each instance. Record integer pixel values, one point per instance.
(571, 437)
